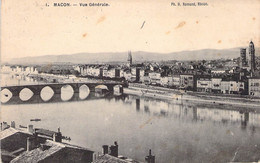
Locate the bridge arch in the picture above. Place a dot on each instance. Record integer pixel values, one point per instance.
(101, 89)
(6, 95)
(118, 89)
(84, 91)
(46, 93)
(67, 92)
(26, 94)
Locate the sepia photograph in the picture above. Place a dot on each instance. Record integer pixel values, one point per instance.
(123, 81)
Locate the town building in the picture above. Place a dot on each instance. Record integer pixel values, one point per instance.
(188, 81)
(236, 87)
(254, 86)
(166, 81)
(6, 69)
(216, 85)
(204, 85)
(142, 73)
(232, 87)
(176, 81)
(147, 80)
(155, 77)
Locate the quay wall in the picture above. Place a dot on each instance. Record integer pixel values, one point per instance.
(176, 95)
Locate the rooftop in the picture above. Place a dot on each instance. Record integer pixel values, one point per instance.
(55, 151)
(111, 159)
(14, 144)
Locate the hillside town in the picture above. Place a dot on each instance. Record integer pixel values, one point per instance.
(240, 75)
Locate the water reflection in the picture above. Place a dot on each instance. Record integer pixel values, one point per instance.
(137, 101)
(194, 113)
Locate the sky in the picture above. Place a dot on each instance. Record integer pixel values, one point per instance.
(30, 28)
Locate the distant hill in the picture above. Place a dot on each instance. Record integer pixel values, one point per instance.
(138, 56)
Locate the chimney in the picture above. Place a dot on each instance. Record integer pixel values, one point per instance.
(57, 137)
(105, 149)
(44, 147)
(4, 126)
(12, 124)
(31, 143)
(150, 158)
(30, 128)
(114, 150)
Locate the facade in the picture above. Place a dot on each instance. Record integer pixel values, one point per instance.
(142, 72)
(176, 80)
(166, 81)
(147, 80)
(225, 87)
(135, 71)
(216, 85)
(117, 73)
(155, 78)
(236, 87)
(204, 85)
(128, 75)
(232, 87)
(93, 71)
(254, 86)
(188, 82)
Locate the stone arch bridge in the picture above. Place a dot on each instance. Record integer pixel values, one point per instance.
(56, 87)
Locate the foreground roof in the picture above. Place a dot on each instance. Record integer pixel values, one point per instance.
(55, 152)
(111, 159)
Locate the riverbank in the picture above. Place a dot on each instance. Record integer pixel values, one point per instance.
(194, 97)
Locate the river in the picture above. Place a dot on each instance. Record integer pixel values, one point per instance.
(176, 132)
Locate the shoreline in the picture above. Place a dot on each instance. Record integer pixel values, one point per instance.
(196, 98)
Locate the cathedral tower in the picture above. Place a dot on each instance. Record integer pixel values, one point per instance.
(243, 62)
(252, 56)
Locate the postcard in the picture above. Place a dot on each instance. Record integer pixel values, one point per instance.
(124, 81)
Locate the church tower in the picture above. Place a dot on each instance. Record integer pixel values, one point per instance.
(129, 59)
(252, 56)
(243, 62)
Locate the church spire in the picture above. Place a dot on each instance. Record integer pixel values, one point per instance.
(129, 59)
